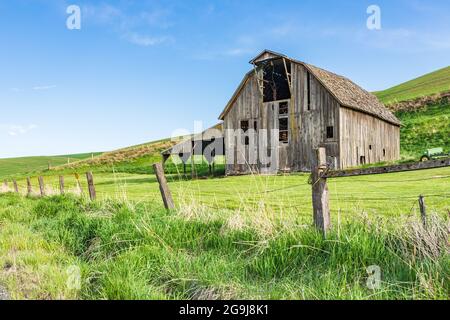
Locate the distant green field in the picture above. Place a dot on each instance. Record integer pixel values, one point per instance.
(429, 84)
(424, 129)
(19, 166)
(256, 230)
(247, 237)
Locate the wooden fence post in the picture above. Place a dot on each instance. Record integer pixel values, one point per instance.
(91, 186)
(16, 187)
(61, 185)
(423, 210)
(163, 186)
(41, 186)
(77, 177)
(29, 187)
(320, 197)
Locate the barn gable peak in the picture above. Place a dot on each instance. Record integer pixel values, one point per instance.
(267, 55)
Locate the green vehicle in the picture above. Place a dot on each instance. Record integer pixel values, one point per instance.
(433, 154)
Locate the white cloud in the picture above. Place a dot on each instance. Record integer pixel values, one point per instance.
(46, 87)
(146, 41)
(16, 130)
(408, 40)
(138, 28)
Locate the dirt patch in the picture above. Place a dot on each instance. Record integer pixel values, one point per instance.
(419, 103)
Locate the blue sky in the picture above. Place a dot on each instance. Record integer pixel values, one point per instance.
(138, 70)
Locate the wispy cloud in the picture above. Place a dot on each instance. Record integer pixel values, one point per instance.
(404, 40)
(45, 87)
(16, 130)
(146, 41)
(143, 28)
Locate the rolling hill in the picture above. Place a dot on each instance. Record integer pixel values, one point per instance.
(424, 127)
(429, 84)
(424, 111)
(23, 165)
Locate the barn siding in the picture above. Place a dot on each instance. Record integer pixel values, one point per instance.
(359, 131)
(245, 107)
(311, 125)
(353, 131)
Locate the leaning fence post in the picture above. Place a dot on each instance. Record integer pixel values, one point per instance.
(163, 186)
(77, 177)
(423, 210)
(29, 187)
(16, 187)
(320, 197)
(91, 186)
(61, 185)
(41, 186)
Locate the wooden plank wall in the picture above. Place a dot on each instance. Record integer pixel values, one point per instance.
(312, 124)
(359, 131)
(246, 107)
(353, 131)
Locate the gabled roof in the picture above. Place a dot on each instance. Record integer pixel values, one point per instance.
(346, 92)
(266, 55)
(351, 95)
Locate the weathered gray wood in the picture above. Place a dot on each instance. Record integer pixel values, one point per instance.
(16, 187)
(320, 197)
(193, 173)
(41, 186)
(355, 134)
(91, 186)
(163, 186)
(423, 210)
(61, 185)
(366, 136)
(390, 169)
(29, 187)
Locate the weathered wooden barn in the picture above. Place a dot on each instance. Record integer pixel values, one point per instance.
(310, 107)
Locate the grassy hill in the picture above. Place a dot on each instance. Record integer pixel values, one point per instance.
(429, 84)
(23, 165)
(423, 129)
(254, 229)
(425, 125)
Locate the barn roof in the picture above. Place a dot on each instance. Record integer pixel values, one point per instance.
(346, 92)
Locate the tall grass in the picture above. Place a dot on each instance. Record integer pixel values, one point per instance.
(130, 250)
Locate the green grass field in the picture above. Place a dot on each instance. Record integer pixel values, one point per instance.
(24, 165)
(246, 237)
(229, 241)
(424, 129)
(429, 84)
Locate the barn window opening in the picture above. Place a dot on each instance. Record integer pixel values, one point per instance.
(308, 89)
(275, 80)
(384, 152)
(255, 125)
(283, 123)
(370, 147)
(284, 109)
(330, 132)
(244, 125)
(244, 128)
(362, 160)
